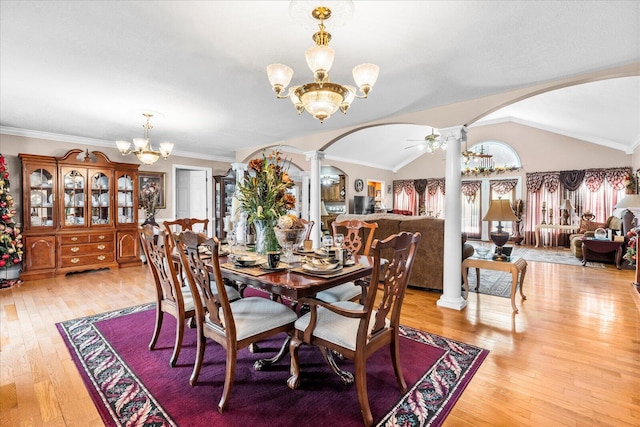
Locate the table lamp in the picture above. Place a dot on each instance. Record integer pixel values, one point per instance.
(500, 210)
(566, 207)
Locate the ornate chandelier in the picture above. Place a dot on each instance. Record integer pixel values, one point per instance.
(142, 146)
(322, 98)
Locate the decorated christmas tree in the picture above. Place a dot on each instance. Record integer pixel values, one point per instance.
(10, 237)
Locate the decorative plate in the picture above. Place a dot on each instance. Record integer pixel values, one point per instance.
(359, 185)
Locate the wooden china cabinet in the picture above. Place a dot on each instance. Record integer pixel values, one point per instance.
(80, 213)
(225, 187)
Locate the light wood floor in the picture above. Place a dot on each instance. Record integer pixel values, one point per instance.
(571, 357)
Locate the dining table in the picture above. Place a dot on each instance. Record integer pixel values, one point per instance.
(293, 284)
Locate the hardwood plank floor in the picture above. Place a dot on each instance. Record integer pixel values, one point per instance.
(571, 357)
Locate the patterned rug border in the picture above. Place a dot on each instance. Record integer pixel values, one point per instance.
(427, 403)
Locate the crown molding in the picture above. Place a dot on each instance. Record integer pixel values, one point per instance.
(93, 142)
(594, 140)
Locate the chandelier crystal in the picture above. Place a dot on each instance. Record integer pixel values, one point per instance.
(322, 98)
(142, 146)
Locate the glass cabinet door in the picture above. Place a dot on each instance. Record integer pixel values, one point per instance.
(41, 188)
(74, 198)
(100, 198)
(126, 208)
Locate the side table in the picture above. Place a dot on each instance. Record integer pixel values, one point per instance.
(601, 247)
(517, 267)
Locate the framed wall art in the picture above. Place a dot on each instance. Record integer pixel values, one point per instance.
(153, 178)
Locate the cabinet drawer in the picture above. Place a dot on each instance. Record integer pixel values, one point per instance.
(101, 237)
(93, 260)
(73, 239)
(87, 248)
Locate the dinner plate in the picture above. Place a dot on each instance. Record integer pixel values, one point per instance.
(245, 260)
(321, 269)
(36, 198)
(281, 266)
(36, 179)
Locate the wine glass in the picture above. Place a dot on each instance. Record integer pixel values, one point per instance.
(288, 240)
(231, 240)
(327, 243)
(338, 241)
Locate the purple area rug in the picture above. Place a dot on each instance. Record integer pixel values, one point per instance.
(131, 385)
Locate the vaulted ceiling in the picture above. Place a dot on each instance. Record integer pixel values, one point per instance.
(90, 69)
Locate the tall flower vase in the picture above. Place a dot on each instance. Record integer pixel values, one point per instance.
(151, 219)
(266, 239)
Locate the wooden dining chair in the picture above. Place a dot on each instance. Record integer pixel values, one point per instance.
(171, 297)
(355, 232)
(181, 224)
(355, 330)
(234, 325)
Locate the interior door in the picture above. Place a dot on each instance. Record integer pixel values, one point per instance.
(192, 194)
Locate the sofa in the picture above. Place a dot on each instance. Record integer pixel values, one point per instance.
(587, 229)
(428, 266)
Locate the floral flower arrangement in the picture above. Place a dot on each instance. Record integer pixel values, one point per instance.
(632, 244)
(263, 194)
(150, 199)
(486, 171)
(518, 208)
(630, 184)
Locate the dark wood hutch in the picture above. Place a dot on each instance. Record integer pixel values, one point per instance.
(80, 212)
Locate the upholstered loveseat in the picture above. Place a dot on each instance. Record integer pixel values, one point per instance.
(429, 264)
(587, 229)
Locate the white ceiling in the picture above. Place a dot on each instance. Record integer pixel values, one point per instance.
(89, 70)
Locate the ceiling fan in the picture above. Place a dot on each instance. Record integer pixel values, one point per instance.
(430, 143)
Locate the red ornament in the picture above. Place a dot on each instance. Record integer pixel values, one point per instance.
(16, 260)
(2, 263)
(5, 256)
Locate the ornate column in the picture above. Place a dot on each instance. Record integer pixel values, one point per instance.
(451, 295)
(240, 224)
(314, 205)
(304, 195)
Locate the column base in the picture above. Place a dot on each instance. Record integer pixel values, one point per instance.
(455, 303)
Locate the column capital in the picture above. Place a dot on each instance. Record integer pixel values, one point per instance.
(458, 133)
(314, 155)
(239, 166)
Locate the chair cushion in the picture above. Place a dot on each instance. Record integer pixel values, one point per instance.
(232, 293)
(345, 292)
(334, 327)
(255, 315)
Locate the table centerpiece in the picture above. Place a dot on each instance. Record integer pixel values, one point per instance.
(264, 198)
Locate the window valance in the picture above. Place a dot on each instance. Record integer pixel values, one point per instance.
(503, 186)
(573, 179)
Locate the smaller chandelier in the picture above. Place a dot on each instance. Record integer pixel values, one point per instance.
(142, 146)
(322, 98)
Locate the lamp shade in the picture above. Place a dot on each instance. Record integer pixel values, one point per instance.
(630, 201)
(500, 210)
(566, 205)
